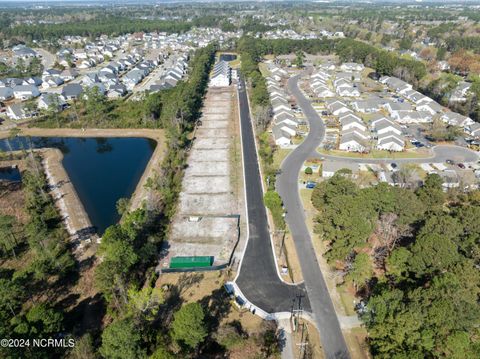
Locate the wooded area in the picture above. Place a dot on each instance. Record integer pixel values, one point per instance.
(413, 256)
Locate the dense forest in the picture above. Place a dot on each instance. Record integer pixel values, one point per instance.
(110, 25)
(413, 256)
(44, 265)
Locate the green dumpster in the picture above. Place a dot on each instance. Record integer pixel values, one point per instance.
(191, 262)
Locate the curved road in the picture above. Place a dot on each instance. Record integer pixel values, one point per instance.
(287, 186)
(258, 277)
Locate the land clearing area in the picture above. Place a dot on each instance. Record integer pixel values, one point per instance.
(208, 221)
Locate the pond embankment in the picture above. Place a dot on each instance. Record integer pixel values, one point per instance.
(73, 213)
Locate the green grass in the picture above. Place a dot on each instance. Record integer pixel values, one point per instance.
(263, 69)
(375, 154)
(279, 156)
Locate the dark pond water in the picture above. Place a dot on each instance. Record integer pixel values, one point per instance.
(101, 169)
(227, 57)
(10, 174)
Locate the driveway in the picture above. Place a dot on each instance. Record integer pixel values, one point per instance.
(287, 186)
(258, 278)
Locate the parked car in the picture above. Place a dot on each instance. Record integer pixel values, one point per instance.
(311, 184)
(450, 162)
(461, 165)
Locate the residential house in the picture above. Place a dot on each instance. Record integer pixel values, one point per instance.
(25, 92)
(390, 141)
(473, 129)
(221, 75)
(72, 91)
(6, 93)
(460, 93)
(116, 91)
(368, 106)
(18, 111)
(385, 126)
(412, 116)
(351, 66)
(431, 107)
(352, 142)
(47, 101)
(282, 138)
(69, 75)
(455, 119)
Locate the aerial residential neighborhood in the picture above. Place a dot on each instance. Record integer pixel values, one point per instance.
(261, 179)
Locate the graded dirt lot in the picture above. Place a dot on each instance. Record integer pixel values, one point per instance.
(207, 220)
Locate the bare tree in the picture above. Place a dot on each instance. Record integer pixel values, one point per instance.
(388, 234)
(262, 117)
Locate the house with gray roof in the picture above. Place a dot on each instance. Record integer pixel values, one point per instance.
(455, 119)
(353, 142)
(6, 93)
(19, 111)
(72, 91)
(47, 101)
(25, 92)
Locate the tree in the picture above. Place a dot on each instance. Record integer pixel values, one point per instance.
(308, 171)
(122, 205)
(361, 270)
(299, 59)
(41, 321)
(10, 296)
(84, 348)
(431, 193)
(188, 325)
(145, 302)
(161, 353)
(122, 340)
(7, 236)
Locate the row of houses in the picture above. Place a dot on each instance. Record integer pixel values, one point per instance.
(285, 124)
(355, 135)
(90, 54)
(175, 68)
(345, 82)
(419, 108)
(221, 75)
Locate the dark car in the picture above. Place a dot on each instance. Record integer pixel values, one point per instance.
(461, 165)
(450, 162)
(394, 165)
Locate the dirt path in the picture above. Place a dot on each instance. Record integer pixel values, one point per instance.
(65, 196)
(157, 135)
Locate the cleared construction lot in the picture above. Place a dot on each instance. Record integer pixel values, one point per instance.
(207, 220)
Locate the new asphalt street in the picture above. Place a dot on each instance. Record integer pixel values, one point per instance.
(287, 186)
(258, 278)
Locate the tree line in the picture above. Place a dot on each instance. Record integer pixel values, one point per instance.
(109, 25)
(130, 248)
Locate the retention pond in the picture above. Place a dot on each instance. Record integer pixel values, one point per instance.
(102, 170)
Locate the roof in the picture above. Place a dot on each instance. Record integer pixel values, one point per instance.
(72, 90)
(391, 139)
(352, 136)
(382, 124)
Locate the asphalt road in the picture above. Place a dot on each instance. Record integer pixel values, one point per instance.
(258, 279)
(287, 186)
